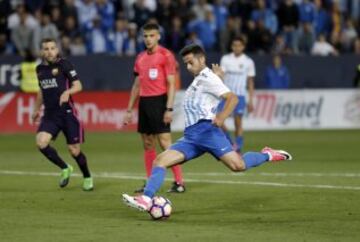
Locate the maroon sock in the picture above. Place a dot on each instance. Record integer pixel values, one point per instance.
(53, 156)
(82, 163)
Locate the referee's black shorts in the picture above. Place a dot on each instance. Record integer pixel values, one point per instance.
(151, 115)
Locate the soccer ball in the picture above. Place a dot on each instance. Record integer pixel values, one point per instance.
(160, 208)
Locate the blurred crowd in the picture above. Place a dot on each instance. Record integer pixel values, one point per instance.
(317, 27)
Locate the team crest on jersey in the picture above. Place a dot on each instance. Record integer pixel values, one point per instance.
(153, 73)
(55, 71)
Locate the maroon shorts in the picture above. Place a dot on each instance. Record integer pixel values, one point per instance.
(66, 122)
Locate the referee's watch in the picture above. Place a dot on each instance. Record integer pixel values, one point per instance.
(169, 109)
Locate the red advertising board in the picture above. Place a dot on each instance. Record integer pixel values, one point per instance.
(98, 111)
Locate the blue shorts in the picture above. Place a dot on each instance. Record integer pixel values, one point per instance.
(239, 109)
(200, 138)
(68, 123)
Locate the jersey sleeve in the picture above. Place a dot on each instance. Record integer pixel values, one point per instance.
(170, 64)
(216, 86)
(70, 71)
(136, 67)
(251, 70)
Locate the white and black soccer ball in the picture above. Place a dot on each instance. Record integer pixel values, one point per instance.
(160, 208)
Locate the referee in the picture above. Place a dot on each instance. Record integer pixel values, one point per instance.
(155, 85)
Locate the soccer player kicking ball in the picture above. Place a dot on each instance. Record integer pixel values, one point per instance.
(58, 81)
(202, 133)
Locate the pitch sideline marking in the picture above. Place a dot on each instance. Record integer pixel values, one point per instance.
(132, 177)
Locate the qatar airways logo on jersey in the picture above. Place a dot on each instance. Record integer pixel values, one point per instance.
(270, 107)
(92, 114)
(48, 83)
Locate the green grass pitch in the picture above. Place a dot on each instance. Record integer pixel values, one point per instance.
(315, 197)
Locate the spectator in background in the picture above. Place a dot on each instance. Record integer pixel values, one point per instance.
(307, 12)
(105, 11)
(131, 45)
(175, 37)
(200, 9)
(261, 13)
(279, 47)
(252, 36)
(322, 47)
(182, 10)
(263, 38)
(205, 30)
(65, 42)
(288, 16)
(56, 18)
(141, 13)
(164, 13)
(22, 35)
(97, 37)
(242, 9)
(5, 47)
(277, 75)
(232, 29)
(306, 38)
(70, 28)
(86, 12)
(69, 9)
(45, 30)
(21, 15)
(120, 35)
(77, 46)
(322, 21)
(221, 14)
(348, 35)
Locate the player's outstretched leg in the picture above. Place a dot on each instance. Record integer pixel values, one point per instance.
(166, 159)
(252, 159)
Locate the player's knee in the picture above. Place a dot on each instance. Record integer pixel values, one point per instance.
(237, 167)
(74, 150)
(41, 143)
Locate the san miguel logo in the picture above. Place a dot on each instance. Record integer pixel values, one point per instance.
(352, 109)
(270, 107)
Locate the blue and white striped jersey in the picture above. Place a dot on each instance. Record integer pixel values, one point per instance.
(203, 96)
(237, 71)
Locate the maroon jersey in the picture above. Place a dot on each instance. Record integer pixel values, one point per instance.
(54, 79)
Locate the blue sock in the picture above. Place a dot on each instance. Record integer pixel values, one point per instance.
(228, 137)
(253, 159)
(239, 142)
(155, 181)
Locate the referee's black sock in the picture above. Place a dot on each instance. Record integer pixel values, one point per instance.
(81, 161)
(53, 156)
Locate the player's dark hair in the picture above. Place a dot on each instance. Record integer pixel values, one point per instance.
(47, 40)
(151, 26)
(192, 49)
(240, 38)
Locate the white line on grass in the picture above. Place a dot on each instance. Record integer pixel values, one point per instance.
(132, 177)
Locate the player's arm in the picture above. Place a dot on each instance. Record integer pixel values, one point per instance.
(251, 88)
(71, 74)
(134, 94)
(76, 87)
(170, 98)
(36, 112)
(231, 101)
(170, 70)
